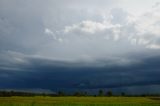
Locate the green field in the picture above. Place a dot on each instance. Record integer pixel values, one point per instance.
(79, 101)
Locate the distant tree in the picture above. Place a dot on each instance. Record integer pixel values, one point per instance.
(143, 95)
(80, 93)
(61, 93)
(85, 93)
(43, 94)
(77, 94)
(109, 93)
(101, 93)
(95, 95)
(12, 93)
(123, 94)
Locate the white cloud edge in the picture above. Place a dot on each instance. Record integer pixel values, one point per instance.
(143, 24)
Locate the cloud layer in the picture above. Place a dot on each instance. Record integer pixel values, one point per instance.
(34, 72)
(103, 44)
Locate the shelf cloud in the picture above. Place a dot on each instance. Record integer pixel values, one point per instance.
(103, 43)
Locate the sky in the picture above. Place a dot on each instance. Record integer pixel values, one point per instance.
(80, 44)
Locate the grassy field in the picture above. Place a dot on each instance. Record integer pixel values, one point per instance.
(79, 101)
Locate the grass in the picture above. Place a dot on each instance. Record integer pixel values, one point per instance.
(79, 101)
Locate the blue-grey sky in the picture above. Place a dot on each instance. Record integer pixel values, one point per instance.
(86, 44)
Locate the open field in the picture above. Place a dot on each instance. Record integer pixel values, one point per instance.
(79, 101)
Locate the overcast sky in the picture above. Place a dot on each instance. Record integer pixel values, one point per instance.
(103, 43)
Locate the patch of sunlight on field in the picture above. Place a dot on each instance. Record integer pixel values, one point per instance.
(79, 101)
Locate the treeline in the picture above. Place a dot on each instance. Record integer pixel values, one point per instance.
(103, 93)
(123, 94)
(20, 93)
(100, 93)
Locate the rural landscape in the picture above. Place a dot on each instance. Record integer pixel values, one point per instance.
(11, 98)
(79, 52)
(79, 101)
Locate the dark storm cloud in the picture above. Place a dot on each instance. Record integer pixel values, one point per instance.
(80, 44)
(49, 74)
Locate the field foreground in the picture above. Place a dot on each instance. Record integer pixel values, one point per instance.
(79, 101)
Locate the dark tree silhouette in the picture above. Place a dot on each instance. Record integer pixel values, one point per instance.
(61, 93)
(109, 93)
(123, 94)
(100, 93)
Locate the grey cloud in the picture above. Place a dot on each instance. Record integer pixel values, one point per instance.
(30, 22)
(119, 16)
(102, 42)
(50, 74)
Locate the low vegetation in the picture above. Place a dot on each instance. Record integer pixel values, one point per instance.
(79, 101)
(15, 98)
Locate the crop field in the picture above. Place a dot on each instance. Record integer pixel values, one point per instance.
(79, 101)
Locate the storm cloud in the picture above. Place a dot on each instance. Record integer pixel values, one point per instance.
(87, 44)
